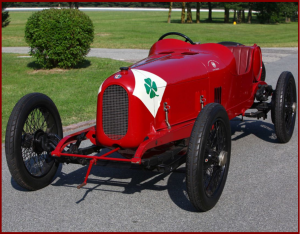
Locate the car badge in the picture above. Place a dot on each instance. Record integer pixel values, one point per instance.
(118, 76)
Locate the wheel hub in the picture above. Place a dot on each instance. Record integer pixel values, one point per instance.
(37, 141)
(222, 158)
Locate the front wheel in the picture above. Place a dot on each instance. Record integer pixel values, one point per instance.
(263, 72)
(208, 157)
(284, 106)
(30, 165)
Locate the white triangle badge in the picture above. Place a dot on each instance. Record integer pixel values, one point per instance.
(149, 88)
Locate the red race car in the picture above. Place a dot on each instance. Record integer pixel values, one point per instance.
(172, 107)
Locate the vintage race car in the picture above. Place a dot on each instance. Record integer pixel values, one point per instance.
(170, 108)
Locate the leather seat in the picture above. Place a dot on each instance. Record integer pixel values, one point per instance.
(242, 56)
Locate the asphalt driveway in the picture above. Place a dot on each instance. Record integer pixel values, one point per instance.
(261, 192)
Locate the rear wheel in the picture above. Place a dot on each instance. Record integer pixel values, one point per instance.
(208, 157)
(30, 165)
(284, 105)
(263, 72)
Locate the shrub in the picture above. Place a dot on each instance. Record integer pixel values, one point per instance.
(5, 15)
(5, 19)
(59, 37)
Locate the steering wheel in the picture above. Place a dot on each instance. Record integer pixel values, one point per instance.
(187, 39)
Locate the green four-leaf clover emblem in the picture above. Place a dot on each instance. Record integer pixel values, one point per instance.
(151, 88)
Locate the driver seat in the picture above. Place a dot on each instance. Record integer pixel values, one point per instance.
(242, 55)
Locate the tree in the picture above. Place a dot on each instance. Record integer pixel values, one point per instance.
(268, 12)
(189, 13)
(5, 15)
(183, 13)
(226, 11)
(235, 6)
(287, 10)
(198, 12)
(239, 16)
(234, 15)
(209, 12)
(74, 5)
(170, 10)
(249, 18)
(242, 6)
(243, 16)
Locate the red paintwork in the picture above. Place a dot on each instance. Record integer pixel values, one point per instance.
(138, 116)
(71, 139)
(189, 73)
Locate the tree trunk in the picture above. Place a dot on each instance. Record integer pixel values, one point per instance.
(71, 4)
(287, 19)
(226, 15)
(183, 13)
(170, 10)
(198, 13)
(243, 16)
(76, 5)
(189, 13)
(239, 18)
(209, 12)
(249, 14)
(234, 15)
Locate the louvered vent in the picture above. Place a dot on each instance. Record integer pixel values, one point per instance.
(115, 112)
(218, 93)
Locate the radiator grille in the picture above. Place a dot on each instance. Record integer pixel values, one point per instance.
(115, 112)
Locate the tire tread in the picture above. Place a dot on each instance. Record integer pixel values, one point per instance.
(10, 137)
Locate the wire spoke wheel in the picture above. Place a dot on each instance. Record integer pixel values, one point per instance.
(213, 172)
(208, 157)
(37, 161)
(33, 119)
(284, 107)
(289, 114)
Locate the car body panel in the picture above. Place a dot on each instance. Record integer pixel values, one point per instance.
(178, 74)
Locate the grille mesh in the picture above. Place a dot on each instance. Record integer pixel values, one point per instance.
(115, 112)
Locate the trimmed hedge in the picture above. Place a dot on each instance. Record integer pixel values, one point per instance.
(59, 37)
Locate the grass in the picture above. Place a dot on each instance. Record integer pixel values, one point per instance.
(142, 29)
(73, 91)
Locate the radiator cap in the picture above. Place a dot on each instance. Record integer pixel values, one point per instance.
(124, 70)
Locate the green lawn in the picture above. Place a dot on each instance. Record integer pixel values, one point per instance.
(142, 29)
(73, 91)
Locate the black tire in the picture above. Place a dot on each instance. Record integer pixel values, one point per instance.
(284, 105)
(230, 43)
(204, 192)
(263, 72)
(31, 167)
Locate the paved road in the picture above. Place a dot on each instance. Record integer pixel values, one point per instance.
(261, 193)
(134, 55)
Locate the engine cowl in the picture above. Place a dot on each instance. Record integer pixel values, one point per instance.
(122, 119)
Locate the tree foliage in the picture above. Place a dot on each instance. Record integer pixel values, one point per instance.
(59, 37)
(267, 12)
(5, 15)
